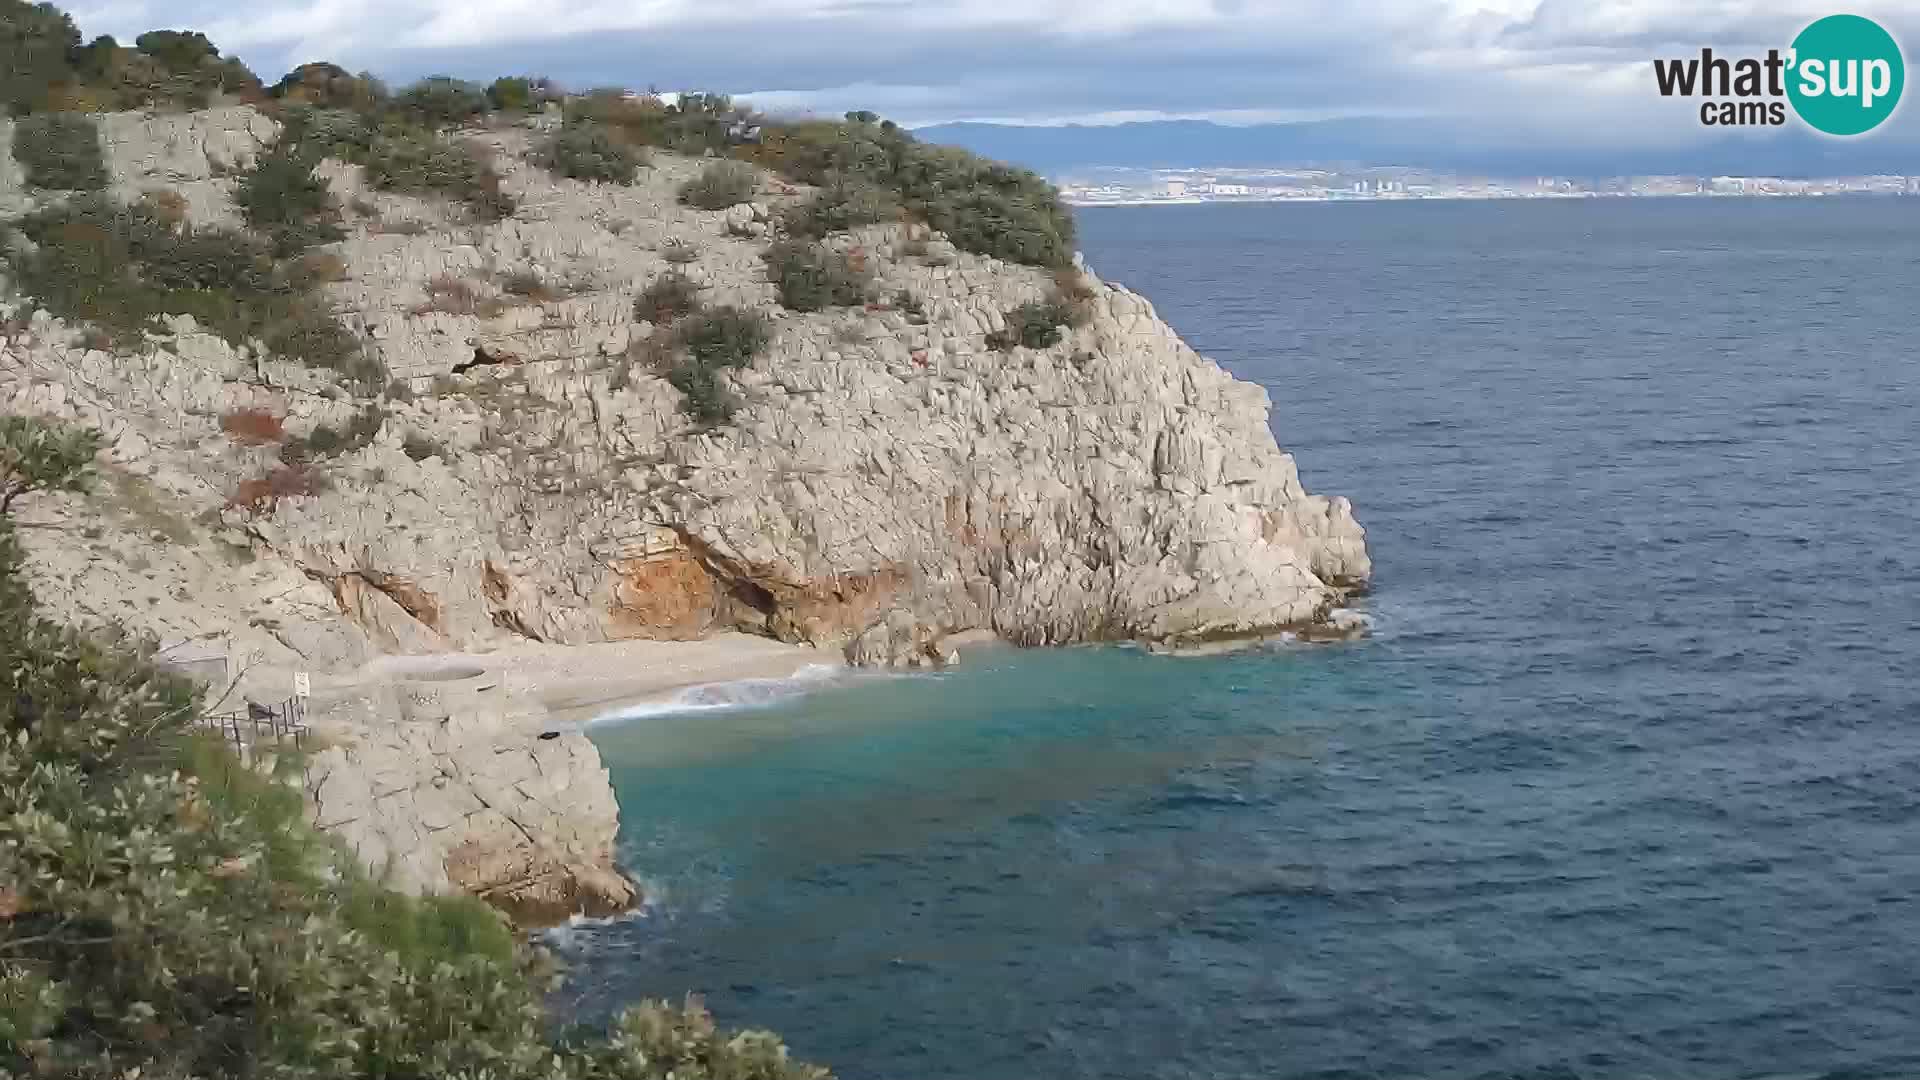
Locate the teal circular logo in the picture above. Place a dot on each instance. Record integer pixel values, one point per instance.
(1846, 75)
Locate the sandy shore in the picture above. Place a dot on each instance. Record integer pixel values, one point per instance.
(576, 683)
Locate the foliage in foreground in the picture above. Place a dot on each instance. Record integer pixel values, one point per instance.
(165, 911)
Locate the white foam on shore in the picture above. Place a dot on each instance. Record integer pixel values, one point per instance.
(732, 694)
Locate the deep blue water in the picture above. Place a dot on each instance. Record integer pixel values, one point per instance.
(1627, 784)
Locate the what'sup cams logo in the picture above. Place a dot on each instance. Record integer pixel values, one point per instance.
(1842, 76)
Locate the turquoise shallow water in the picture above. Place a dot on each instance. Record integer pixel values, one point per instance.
(1627, 783)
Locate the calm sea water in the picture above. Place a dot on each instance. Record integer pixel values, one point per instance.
(1626, 785)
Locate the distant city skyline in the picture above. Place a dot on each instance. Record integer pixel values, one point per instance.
(1114, 187)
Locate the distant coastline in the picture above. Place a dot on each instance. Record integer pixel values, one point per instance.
(1463, 196)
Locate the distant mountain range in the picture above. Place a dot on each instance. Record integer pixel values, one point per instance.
(1418, 144)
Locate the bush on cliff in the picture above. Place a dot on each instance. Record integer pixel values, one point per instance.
(666, 298)
(720, 185)
(706, 343)
(122, 266)
(811, 278)
(421, 163)
(843, 204)
(61, 151)
(440, 102)
(166, 912)
(282, 198)
(1036, 325)
(587, 151)
(983, 206)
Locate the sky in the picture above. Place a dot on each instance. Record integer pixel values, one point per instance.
(1571, 71)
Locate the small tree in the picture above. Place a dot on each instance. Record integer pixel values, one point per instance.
(37, 456)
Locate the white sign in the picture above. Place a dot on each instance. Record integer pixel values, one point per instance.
(302, 684)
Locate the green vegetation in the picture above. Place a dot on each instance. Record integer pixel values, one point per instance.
(720, 185)
(666, 298)
(1036, 325)
(45, 68)
(843, 204)
(588, 151)
(811, 278)
(282, 198)
(439, 102)
(983, 206)
(60, 150)
(711, 341)
(330, 86)
(421, 163)
(166, 912)
(123, 266)
(38, 457)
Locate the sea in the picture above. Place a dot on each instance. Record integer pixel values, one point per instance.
(1625, 783)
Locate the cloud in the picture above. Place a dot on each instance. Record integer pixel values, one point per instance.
(1566, 69)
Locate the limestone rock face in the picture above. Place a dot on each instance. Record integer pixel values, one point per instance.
(888, 479)
(457, 792)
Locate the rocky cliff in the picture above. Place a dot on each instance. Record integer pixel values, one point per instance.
(888, 480)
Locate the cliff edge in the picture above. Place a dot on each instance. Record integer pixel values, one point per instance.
(893, 472)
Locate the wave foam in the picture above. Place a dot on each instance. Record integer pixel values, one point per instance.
(734, 694)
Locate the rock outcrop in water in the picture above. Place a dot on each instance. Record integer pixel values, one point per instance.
(888, 480)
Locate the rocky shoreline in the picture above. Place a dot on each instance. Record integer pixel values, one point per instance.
(890, 483)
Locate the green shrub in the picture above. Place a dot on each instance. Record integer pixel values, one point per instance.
(60, 151)
(326, 133)
(36, 42)
(842, 205)
(440, 102)
(666, 298)
(1036, 325)
(657, 1040)
(585, 151)
(720, 185)
(983, 206)
(512, 94)
(330, 86)
(419, 163)
(123, 266)
(811, 278)
(706, 343)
